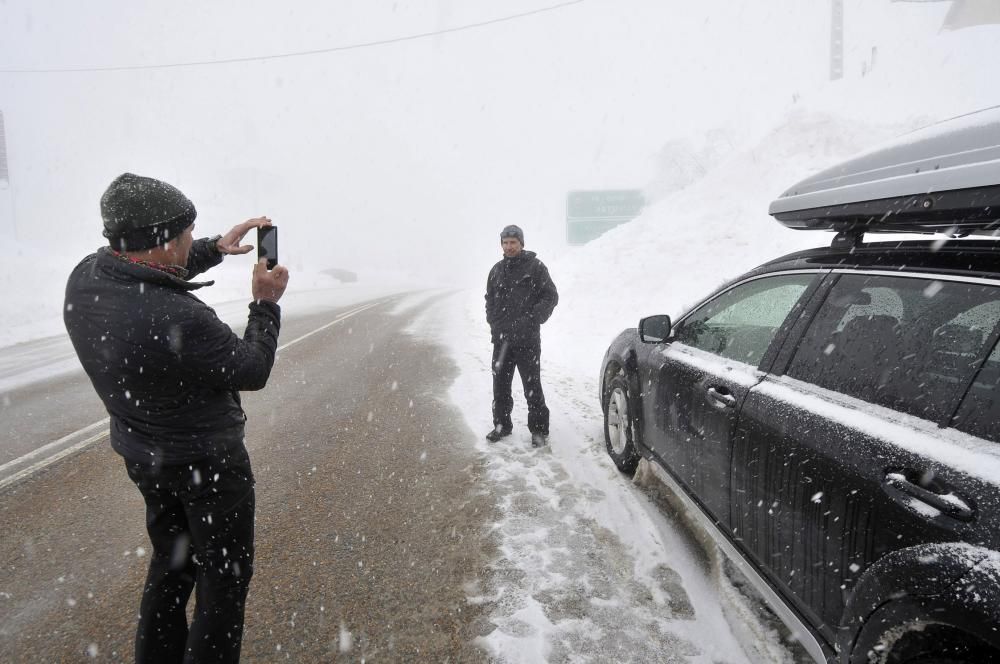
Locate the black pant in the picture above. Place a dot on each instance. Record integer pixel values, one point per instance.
(199, 517)
(527, 360)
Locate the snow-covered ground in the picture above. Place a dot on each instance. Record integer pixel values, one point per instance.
(566, 509)
(591, 568)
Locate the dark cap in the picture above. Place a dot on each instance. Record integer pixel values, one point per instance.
(512, 231)
(141, 213)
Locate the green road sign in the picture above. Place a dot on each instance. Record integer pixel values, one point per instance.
(590, 214)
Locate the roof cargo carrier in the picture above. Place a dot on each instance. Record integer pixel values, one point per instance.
(944, 178)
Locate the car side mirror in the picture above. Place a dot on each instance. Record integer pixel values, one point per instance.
(654, 329)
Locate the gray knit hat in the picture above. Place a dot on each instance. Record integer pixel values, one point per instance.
(141, 213)
(512, 231)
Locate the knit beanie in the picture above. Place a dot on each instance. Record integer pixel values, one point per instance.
(141, 213)
(512, 231)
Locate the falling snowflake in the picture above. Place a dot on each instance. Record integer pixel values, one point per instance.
(346, 640)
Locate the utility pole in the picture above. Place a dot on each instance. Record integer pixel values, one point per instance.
(8, 224)
(836, 39)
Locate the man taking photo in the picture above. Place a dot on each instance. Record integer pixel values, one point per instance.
(169, 373)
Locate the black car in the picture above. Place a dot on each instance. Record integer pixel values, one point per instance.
(832, 418)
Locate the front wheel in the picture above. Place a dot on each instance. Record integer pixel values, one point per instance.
(619, 429)
(917, 643)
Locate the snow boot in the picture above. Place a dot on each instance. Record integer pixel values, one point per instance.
(539, 440)
(497, 433)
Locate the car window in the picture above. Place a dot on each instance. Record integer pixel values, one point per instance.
(980, 411)
(741, 323)
(905, 343)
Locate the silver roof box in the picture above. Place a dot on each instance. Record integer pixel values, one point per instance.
(944, 178)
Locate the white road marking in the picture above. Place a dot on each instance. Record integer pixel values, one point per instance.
(30, 470)
(56, 443)
(333, 322)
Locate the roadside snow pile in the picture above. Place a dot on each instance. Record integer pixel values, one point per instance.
(708, 220)
(696, 238)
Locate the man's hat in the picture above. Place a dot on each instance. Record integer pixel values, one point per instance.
(141, 213)
(512, 231)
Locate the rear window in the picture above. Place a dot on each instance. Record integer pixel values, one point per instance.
(909, 344)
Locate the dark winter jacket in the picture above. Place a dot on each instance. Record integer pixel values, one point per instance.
(168, 370)
(520, 296)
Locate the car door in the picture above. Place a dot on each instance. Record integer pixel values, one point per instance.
(702, 374)
(845, 457)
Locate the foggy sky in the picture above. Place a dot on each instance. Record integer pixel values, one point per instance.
(409, 155)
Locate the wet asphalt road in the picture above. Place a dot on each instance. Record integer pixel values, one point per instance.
(372, 514)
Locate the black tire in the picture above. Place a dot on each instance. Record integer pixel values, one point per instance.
(937, 645)
(619, 425)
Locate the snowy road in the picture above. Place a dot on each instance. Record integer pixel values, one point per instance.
(387, 530)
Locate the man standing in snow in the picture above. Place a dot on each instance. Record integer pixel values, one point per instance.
(169, 373)
(520, 296)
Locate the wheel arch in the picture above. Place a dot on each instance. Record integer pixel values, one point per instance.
(941, 586)
(624, 362)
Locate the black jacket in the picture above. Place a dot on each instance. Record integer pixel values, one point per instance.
(167, 369)
(520, 296)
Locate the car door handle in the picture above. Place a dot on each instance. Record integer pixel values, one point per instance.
(719, 397)
(950, 503)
